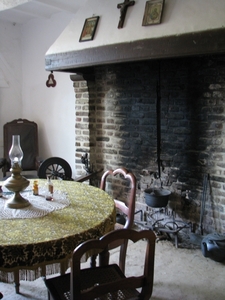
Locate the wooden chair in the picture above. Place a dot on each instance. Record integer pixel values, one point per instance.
(106, 281)
(28, 132)
(128, 208)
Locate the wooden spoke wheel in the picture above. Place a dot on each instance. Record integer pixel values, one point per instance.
(56, 168)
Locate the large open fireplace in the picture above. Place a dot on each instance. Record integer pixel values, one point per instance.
(117, 119)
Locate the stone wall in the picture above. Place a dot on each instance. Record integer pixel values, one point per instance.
(117, 125)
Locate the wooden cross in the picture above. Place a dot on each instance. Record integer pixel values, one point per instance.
(123, 10)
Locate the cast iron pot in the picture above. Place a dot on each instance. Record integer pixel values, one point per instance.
(157, 197)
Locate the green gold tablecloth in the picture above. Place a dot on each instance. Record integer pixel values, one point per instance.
(29, 243)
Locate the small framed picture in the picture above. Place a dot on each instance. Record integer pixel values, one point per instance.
(89, 28)
(153, 12)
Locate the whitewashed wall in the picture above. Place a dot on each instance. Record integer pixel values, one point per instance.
(53, 109)
(10, 75)
(179, 16)
(22, 63)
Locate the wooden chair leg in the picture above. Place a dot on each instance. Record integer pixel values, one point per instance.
(93, 261)
(43, 271)
(63, 268)
(17, 281)
(123, 256)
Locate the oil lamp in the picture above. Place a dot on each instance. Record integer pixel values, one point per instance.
(16, 182)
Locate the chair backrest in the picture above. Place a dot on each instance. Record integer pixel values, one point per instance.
(127, 208)
(144, 280)
(28, 132)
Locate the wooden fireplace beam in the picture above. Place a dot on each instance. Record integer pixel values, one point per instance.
(190, 44)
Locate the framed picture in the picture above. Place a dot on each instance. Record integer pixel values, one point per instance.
(88, 30)
(153, 12)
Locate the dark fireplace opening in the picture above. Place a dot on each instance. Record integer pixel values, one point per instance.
(116, 123)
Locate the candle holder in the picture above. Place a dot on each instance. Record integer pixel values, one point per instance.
(16, 182)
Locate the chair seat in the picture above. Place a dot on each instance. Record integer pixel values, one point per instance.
(60, 286)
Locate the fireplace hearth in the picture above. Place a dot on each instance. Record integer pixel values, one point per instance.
(116, 88)
(116, 123)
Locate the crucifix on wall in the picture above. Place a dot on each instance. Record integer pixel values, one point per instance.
(123, 10)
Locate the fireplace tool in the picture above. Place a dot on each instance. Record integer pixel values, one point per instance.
(158, 197)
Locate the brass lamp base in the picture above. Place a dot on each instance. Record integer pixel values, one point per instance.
(17, 201)
(16, 183)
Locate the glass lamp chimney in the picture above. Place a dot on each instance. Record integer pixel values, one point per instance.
(16, 153)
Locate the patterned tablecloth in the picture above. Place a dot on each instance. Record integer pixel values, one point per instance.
(31, 243)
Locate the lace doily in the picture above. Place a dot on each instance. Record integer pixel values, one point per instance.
(38, 207)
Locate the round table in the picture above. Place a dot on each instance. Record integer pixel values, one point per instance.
(34, 243)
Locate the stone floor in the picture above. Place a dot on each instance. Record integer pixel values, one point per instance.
(180, 274)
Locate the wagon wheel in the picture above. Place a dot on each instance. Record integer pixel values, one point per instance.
(55, 167)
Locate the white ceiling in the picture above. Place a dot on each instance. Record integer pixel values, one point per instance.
(31, 9)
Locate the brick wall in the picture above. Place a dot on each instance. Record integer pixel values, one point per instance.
(116, 124)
